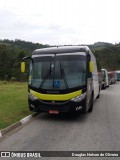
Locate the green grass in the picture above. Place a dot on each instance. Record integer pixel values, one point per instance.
(13, 103)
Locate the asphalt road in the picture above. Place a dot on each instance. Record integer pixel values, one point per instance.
(96, 131)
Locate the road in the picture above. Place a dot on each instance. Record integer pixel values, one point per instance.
(96, 131)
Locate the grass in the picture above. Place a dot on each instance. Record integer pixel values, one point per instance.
(13, 103)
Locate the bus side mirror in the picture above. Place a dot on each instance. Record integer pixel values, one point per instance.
(91, 67)
(22, 67)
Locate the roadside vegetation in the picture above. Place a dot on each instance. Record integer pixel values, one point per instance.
(13, 102)
(12, 52)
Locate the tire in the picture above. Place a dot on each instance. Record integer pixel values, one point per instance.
(103, 86)
(84, 109)
(91, 104)
(98, 96)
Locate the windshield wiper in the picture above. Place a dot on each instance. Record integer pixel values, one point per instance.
(63, 75)
(48, 73)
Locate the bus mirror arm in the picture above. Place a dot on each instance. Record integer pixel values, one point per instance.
(27, 58)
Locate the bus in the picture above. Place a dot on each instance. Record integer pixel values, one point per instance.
(62, 79)
(118, 75)
(112, 77)
(105, 79)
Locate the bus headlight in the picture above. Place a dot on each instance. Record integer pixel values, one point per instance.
(32, 97)
(79, 98)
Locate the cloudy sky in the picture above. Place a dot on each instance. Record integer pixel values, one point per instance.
(58, 22)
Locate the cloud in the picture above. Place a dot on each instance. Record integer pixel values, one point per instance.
(60, 21)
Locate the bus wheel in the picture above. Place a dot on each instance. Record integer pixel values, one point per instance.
(91, 104)
(98, 96)
(84, 109)
(104, 86)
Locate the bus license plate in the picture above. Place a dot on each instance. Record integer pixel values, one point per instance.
(53, 112)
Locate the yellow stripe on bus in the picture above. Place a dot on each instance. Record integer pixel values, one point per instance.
(56, 97)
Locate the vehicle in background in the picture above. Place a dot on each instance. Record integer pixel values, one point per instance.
(62, 79)
(112, 77)
(118, 75)
(115, 76)
(99, 75)
(105, 79)
(100, 79)
(109, 78)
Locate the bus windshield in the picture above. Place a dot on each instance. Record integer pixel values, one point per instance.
(57, 72)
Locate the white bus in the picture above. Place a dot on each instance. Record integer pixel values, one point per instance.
(105, 79)
(118, 75)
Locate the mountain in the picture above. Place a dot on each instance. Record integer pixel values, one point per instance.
(109, 57)
(20, 44)
(12, 52)
(100, 45)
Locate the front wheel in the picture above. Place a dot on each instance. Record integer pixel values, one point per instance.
(98, 96)
(85, 108)
(104, 85)
(91, 104)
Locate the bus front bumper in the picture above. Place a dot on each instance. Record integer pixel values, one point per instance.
(60, 106)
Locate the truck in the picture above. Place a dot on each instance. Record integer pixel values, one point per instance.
(62, 79)
(105, 79)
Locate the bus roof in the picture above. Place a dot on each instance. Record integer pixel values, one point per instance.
(63, 49)
(118, 71)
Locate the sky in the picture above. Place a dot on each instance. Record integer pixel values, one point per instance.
(60, 22)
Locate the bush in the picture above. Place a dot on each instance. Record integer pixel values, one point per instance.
(13, 79)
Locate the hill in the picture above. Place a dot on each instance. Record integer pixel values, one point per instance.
(20, 44)
(100, 45)
(109, 57)
(12, 52)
